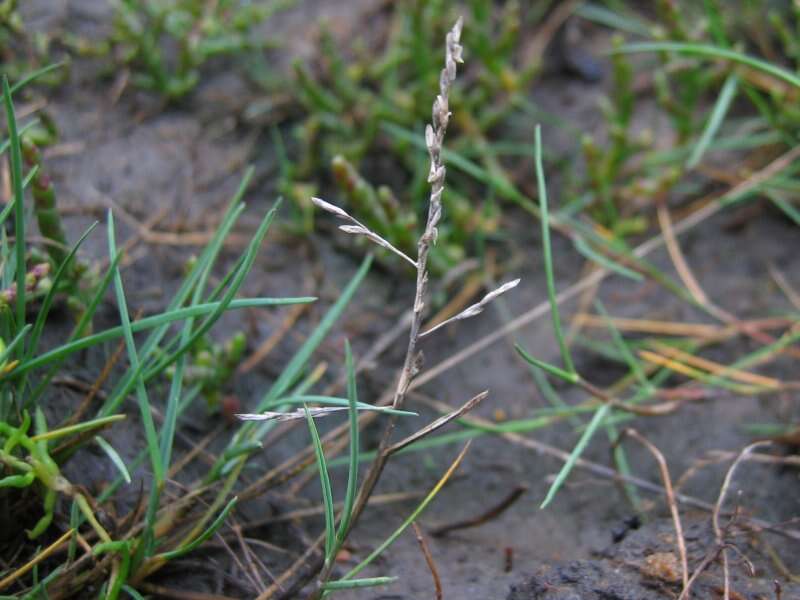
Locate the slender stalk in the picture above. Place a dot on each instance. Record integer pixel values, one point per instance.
(434, 138)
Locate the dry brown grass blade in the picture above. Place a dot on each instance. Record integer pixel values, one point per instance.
(715, 457)
(676, 254)
(691, 372)
(44, 554)
(251, 574)
(172, 594)
(720, 546)
(534, 53)
(716, 368)
(691, 283)
(783, 283)
(255, 576)
(651, 326)
(426, 552)
(669, 492)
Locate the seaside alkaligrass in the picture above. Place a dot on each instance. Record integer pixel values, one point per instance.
(161, 349)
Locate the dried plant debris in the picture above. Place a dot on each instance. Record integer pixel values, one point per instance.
(645, 566)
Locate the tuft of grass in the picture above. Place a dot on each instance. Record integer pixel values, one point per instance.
(144, 32)
(32, 462)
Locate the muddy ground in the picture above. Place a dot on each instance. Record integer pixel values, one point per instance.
(186, 162)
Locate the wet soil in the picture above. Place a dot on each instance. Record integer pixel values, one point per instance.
(185, 162)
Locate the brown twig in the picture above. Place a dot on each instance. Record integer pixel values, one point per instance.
(314, 511)
(783, 283)
(723, 492)
(165, 592)
(426, 552)
(485, 517)
(670, 493)
(677, 256)
(248, 557)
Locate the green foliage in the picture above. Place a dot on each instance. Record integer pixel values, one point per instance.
(167, 42)
(351, 97)
(212, 365)
(10, 21)
(33, 463)
(692, 65)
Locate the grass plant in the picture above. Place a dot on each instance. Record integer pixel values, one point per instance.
(720, 99)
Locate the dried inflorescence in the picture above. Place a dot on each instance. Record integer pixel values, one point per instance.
(434, 138)
(358, 228)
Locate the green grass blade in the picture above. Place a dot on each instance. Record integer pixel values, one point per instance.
(6, 353)
(198, 273)
(566, 469)
(721, 106)
(784, 205)
(292, 371)
(61, 432)
(77, 331)
(141, 393)
(350, 584)
(411, 518)
(548, 255)
(233, 288)
(327, 493)
(152, 322)
(35, 75)
(176, 386)
(623, 466)
(19, 204)
(299, 360)
(132, 593)
(47, 303)
(613, 19)
(707, 51)
(169, 425)
(716, 23)
(5, 144)
(352, 474)
(212, 529)
(115, 457)
(552, 369)
(605, 262)
(623, 347)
